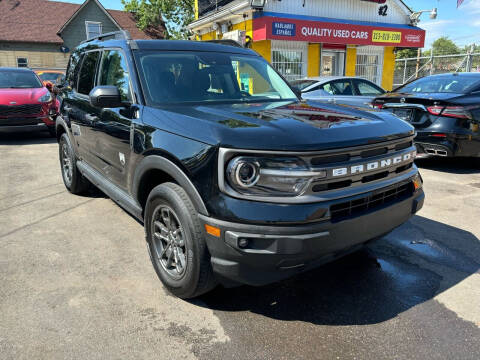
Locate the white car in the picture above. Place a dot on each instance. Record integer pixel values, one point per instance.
(339, 89)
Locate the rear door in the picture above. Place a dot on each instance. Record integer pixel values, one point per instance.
(82, 114)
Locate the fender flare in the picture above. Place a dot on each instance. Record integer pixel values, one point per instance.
(156, 162)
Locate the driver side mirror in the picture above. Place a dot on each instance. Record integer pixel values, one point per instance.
(106, 96)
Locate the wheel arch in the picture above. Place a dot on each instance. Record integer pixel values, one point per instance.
(154, 170)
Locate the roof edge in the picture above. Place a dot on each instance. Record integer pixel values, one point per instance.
(80, 9)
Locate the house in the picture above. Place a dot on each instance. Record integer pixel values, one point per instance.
(40, 34)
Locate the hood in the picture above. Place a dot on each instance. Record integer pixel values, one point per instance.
(295, 126)
(21, 96)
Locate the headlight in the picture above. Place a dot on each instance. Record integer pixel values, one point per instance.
(45, 98)
(270, 176)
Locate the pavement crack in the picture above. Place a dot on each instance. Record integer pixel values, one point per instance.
(45, 218)
(32, 200)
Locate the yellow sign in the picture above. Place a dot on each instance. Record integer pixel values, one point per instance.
(386, 36)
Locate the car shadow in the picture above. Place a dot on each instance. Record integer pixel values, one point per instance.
(457, 165)
(371, 286)
(26, 138)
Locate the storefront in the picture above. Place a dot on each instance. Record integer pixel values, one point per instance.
(306, 38)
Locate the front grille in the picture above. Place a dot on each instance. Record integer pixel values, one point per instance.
(19, 110)
(361, 156)
(370, 202)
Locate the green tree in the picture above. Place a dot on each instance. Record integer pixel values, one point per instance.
(444, 46)
(175, 14)
(406, 53)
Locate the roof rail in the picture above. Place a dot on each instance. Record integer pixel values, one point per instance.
(226, 42)
(117, 35)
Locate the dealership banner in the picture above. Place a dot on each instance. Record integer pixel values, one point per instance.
(341, 32)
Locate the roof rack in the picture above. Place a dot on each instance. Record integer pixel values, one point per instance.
(226, 42)
(117, 35)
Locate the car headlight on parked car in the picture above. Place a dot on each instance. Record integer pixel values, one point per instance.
(45, 98)
(270, 176)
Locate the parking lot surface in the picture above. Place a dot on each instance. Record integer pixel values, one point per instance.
(77, 283)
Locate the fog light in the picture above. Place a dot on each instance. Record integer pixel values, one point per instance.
(242, 243)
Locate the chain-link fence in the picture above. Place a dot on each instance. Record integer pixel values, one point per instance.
(411, 68)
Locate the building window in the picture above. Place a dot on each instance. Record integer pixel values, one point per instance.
(370, 63)
(93, 29)
(289, 59)
(22, 62)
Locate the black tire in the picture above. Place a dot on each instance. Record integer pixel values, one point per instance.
(52, 131)
(195, 276)
(72, 178)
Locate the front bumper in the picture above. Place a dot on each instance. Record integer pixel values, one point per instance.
(278, 252)
(27, 124)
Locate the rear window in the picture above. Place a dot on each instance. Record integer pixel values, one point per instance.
(14, 79)
(441, 84)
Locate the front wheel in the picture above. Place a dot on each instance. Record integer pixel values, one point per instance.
(176, 242)
(72, 178)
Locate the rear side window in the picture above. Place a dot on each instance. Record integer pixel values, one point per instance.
(73, 69)
(368, 89)
(86, 79)
(115, 72)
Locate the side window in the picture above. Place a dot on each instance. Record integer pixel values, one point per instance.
(342, 87)
(366, 88)
(72, 70)
(115, 72)
(86, 79)
(328, 88)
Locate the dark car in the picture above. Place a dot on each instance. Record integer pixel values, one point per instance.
(445, 110)
(25, 103)
(235, 180)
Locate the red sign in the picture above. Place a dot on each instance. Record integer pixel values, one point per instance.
(277, 28)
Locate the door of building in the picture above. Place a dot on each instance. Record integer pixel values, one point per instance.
(333, 63)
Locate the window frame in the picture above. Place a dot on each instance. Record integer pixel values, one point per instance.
(87, 22)
(26, 62)
(129, 68)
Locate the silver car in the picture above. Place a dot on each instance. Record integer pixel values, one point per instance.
(339, 89)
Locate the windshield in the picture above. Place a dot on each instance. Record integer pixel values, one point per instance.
(303, 84)
(183, 76)
(53, 77)
(440, 84)
(19, 79)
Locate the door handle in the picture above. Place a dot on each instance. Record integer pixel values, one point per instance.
(91, 118)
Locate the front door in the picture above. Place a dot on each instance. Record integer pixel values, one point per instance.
(114, 127)
(332, 63)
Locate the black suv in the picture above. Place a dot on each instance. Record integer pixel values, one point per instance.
(235, 179)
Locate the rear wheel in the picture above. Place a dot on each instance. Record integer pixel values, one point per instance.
(176, 242)
(72, 178)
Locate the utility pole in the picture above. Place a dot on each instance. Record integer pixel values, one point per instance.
(419, 53)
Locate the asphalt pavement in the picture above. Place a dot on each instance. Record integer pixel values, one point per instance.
(76, 281)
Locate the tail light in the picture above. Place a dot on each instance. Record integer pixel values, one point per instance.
(459, 112)
(376, 105)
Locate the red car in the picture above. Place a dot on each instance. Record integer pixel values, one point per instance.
(25, 102)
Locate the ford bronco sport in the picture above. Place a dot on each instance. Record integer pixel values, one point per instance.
(234, 178)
